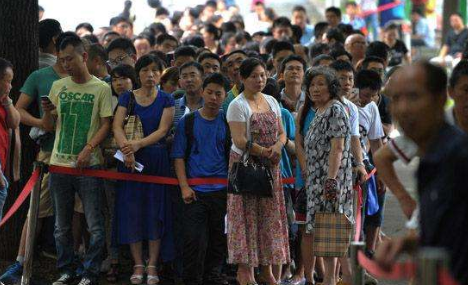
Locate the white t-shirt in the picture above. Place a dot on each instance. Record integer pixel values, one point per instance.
(353, 114)
(239, 111)
(370, 125)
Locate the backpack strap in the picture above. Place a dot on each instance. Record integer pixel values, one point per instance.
(189, 123)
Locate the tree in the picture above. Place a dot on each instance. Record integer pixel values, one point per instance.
(19, 44)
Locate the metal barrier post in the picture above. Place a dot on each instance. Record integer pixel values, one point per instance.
(358, 271)
(429, 261)
(32, 222)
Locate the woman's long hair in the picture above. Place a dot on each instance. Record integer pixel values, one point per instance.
(333, 89)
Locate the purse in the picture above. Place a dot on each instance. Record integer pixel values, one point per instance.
(332, 234)
(132, 127)
(248, 177)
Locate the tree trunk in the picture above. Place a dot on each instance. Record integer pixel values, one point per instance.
(18, 44)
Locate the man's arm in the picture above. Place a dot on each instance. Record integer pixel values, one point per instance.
(188, 195)
(384, 159)
(356, 151)
(26, 118)
(12, 115)
(85, 155)
(444, 51)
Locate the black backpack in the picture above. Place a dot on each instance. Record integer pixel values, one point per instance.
(189, 123)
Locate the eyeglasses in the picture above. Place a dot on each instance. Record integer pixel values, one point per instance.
(118, 60)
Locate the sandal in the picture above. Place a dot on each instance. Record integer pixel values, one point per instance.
(151, 279)
(113, 273)
(137, 279)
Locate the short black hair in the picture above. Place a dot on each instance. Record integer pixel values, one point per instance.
(122, 43)
(162, 11)
(228, 27)
(268, 44)
(379, 49)
(280, 46)
(48, 29)
(212, 29)
(369, 59)
(157, 28)
(97, 50)
(293, 57)
(161, 55)
(252, 46)
(335, 34)
(419, 11)
(146, 60)
(248, 65)
(241, 36)
(4, 65)
(185, 51)
(92, 39)
(74, 41)
(126, 71)
(206, 55)
(436, 77)
(299, 8)
(217, 78)
(225, 57)
(281, 22)
(390, 26)
(460, 70)
(316, 61)
(119, 19)
(318, 49)
(334, 10)
(61, 37)
(320, 28)
(165, 37)
(192, 64)
(86, 26)
(368, 79)
(337, 52)
(342, 65)
(211, 3)
(40, 8)
(195, 40)
(145, 36)
(296, 33)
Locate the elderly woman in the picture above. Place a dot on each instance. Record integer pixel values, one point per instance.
(328, 159)
(256, 226)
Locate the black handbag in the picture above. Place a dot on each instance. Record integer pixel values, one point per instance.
(248, 177)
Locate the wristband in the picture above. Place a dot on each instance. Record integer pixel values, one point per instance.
(7, 102)
(360, 164)
(90, 145)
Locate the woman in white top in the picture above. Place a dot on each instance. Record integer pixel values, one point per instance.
(257, 227)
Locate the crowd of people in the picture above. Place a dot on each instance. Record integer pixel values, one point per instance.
(203, 92)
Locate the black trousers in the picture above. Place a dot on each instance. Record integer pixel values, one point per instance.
(205, 245)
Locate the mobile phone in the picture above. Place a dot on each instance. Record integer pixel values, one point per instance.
(45, 98)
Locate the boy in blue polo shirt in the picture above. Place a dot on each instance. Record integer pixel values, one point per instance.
(200, 150)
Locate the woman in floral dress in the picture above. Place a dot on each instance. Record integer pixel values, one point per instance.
(257, 227)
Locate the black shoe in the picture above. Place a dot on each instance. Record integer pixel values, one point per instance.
(65, 279)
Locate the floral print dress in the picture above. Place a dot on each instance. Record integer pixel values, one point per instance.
(257, 228)
(332, 123)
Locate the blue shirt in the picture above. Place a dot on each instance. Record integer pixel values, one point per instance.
(207, 157)
(421, 28)
(307, 35)
(308, 120)
(181, 109)
(290, 130)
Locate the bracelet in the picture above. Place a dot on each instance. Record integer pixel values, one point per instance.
(360, 164)
(7, 103)
(90, 145)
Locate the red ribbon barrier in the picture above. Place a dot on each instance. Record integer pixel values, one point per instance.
(22, 196)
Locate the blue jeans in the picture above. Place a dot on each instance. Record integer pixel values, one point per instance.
(372, 23)
(90, 190)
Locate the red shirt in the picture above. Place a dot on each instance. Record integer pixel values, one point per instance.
(4, 138)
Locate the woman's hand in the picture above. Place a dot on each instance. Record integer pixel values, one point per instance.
(131, 147)
(129, 161)
(275, 155)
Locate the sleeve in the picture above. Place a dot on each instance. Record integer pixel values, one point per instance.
(124, 99)
(354, 120)
(448, 39)
(105, 106)
(385, 116)
(337, 123)
(403, 148)
(375, 129)
(236, 112)
(53, 93)
(404, 48)
(29, 86)
(180, 142)
(288, 124)
(170, 102)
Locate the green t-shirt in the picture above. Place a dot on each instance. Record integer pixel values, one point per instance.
(79, 110)
(231, 95)
(38, 84)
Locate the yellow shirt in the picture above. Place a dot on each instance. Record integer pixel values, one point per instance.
(79, 110)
